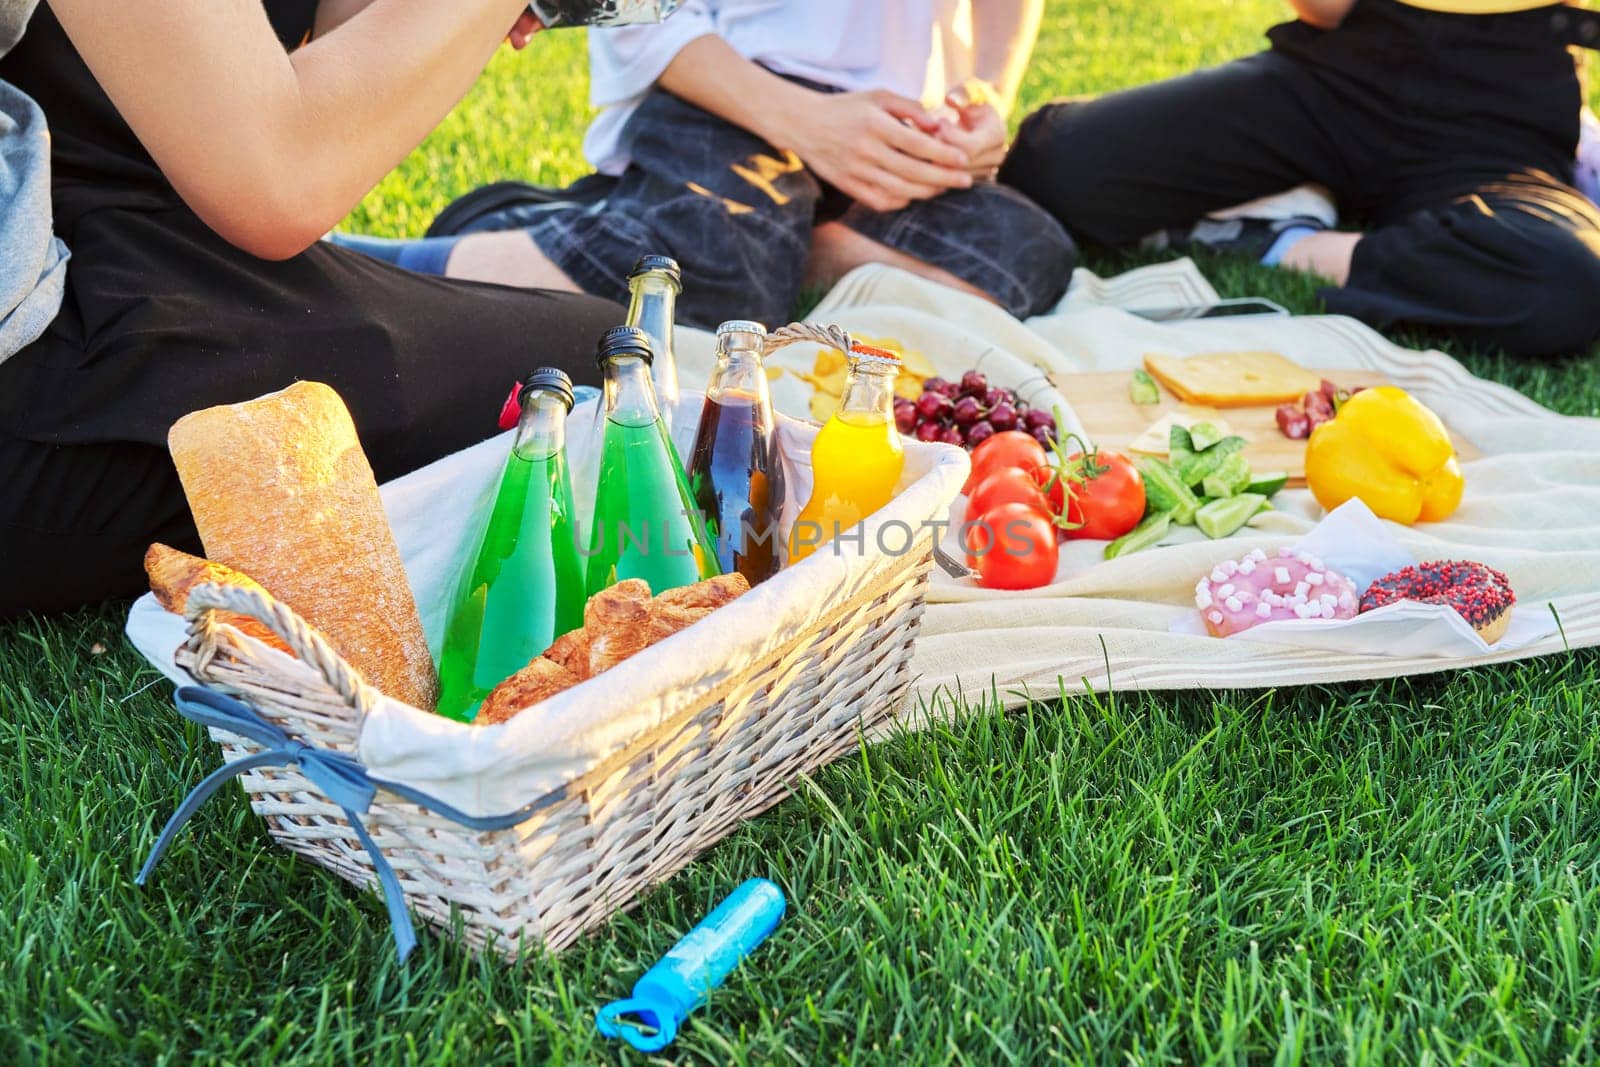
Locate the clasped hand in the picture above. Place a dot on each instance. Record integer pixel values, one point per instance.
(884, 150)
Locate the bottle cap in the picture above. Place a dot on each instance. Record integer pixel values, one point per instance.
(870, 356)
(624, 341)
(551, 380)
(666, 264)
(741, 326)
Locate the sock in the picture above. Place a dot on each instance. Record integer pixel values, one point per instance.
(1286, 240)
(425, 255)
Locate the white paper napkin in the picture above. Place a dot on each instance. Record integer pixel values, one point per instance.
(1356, 543)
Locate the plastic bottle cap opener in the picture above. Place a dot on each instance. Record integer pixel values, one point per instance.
(696, 965)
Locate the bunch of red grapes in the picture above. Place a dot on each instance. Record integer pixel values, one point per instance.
(969, 412)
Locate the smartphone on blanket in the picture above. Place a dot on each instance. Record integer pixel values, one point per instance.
(557, 13)
(1222, 309)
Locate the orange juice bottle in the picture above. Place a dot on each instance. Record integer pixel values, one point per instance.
(857, 458)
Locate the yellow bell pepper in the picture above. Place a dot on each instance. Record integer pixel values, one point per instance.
(1388, 449)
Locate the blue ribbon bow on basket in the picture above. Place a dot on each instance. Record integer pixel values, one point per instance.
(338, 775)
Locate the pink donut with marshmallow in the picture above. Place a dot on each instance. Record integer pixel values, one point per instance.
(1259, 588)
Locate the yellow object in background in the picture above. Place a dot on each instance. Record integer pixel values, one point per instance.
(1392, 452)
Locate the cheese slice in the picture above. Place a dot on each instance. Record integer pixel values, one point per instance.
(1157, 437)
(1232, 379)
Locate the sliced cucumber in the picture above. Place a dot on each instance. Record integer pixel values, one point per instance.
(1143, 389)
(1268, 485)
(1165, 491)
(1147, 534)
(1229, 479)
(1221, 518)
(1204, 435)
(1195, 468)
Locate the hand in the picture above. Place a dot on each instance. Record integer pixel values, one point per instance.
(522, 32)
(971, 122)
(878, 148)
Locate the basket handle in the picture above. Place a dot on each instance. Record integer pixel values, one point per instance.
(301, 637)
(796, 332)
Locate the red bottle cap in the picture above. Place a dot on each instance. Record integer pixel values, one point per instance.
(512, 411)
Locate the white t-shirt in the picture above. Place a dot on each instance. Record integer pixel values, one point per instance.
(917, 48)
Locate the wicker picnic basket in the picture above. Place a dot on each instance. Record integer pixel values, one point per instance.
(587, 850)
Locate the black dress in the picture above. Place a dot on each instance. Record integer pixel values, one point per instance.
(163, 317)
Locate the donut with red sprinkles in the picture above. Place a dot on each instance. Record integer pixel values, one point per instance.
(1479, 593)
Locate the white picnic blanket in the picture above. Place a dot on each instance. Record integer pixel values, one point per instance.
(1529, 511)
(1530, 505)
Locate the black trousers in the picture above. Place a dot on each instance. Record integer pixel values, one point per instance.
(163, 317)
(1452, 136)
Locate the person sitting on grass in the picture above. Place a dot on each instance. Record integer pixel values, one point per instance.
(769, 146)
(1449, 125)
(199, 150)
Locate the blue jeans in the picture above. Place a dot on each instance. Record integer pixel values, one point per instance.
(737, 215)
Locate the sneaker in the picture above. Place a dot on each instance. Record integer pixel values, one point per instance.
(1588, 172)
(1242, 237)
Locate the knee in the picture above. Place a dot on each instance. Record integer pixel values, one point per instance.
(1045, 160)
(1561, 303)
(1034, 259)
(991, 237)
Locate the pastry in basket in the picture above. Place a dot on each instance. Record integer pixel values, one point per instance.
(537, 682)
(617, 623)
(280, 489)
(174, 574)
(1259, 588)
(1479, 593)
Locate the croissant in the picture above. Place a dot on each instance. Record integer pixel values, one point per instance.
(618, 622)
(174, 575)
(538, 681)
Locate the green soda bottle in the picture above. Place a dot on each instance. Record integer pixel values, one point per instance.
(646, 524)
(525, 587)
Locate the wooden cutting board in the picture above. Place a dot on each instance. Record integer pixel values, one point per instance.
(1114, 421)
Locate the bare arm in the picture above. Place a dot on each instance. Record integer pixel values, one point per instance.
(876, 146)
(272, 149)
(1323, 14)
(1005, 32)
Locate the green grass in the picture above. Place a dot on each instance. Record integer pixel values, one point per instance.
(1395, 873)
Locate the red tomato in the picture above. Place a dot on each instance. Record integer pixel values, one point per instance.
(1007, 485)
(1010, 449)
(1012, 547)
(1106, 497)
(1053, 486)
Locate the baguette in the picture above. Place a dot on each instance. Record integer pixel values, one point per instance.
(280, 489)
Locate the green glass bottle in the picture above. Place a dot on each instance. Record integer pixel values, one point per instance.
(646, 524)
(653, 288)
(525, 587)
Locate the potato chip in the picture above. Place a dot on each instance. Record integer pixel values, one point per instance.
(827, 376)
